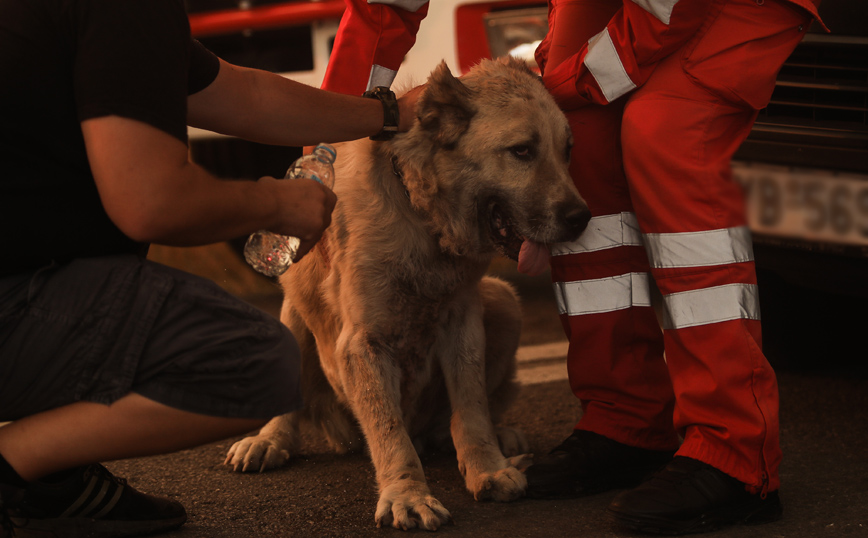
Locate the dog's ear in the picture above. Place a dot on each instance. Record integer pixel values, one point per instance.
(444, 108)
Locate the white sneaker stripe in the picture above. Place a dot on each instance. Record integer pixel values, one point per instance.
(81, 498)
(111, 504)
(98, 499)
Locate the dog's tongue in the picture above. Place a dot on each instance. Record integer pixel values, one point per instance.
(533, 258)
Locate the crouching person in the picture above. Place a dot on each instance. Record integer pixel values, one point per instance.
(104, 354)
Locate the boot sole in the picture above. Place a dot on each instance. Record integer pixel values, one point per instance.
(707, 522)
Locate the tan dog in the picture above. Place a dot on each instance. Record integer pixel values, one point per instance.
(393, 311)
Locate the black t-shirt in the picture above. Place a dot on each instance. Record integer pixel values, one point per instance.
(65, 61)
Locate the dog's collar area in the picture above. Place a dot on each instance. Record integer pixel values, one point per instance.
(395, 169)
(398, 174)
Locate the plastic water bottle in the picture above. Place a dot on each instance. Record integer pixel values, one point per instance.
(271, 254)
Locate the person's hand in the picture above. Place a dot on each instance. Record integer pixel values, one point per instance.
(304, 210)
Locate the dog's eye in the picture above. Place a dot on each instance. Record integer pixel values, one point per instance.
(522, 152)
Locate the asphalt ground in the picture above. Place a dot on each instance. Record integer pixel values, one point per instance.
(824, 474)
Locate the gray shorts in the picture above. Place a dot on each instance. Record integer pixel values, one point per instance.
(97, 329)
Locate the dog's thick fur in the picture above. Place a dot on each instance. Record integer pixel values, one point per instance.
(393, 311)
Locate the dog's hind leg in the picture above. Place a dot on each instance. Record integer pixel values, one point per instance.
(334, 419)
(269, 449)
(502, 322)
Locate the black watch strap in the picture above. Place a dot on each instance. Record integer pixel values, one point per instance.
(390, 111)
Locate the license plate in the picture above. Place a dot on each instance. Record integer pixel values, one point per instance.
(805, 204)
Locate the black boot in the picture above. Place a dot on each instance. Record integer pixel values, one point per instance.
(587, 463)
(689, 496)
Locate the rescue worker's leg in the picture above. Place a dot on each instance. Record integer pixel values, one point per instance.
(615, 360)
(679, 133)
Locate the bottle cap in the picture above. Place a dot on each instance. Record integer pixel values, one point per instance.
(329, 149)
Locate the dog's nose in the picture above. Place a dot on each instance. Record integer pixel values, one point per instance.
(577, 219)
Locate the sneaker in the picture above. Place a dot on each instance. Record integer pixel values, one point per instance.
(587, 463)
(689, 496)
(89, 502)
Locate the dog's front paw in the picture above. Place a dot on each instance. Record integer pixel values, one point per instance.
(257, 453)
(408, 504)
(505, 485)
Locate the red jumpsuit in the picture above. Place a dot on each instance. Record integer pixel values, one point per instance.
(681, 82)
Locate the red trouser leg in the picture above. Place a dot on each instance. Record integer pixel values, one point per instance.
(725, 390)
(615, 361)
(679, 133)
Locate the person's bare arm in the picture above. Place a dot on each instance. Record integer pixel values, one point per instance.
(153, 193)
(267, 108)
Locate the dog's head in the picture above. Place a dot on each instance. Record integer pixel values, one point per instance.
(487, 161)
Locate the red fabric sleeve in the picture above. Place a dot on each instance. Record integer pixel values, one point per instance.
(641, 33)
(640, 40)
(370, 34)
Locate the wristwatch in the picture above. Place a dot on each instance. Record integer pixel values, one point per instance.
(390, 111)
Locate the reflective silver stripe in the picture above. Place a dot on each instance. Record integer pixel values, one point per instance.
(409, 5)
(81, 498)
(661, 9)
(603, 62)
(608, 231)
(381, 76)
(710, 305)
(583, 297)
(699, 249)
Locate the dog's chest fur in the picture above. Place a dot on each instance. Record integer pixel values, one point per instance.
(378, 237)
(380, 254)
